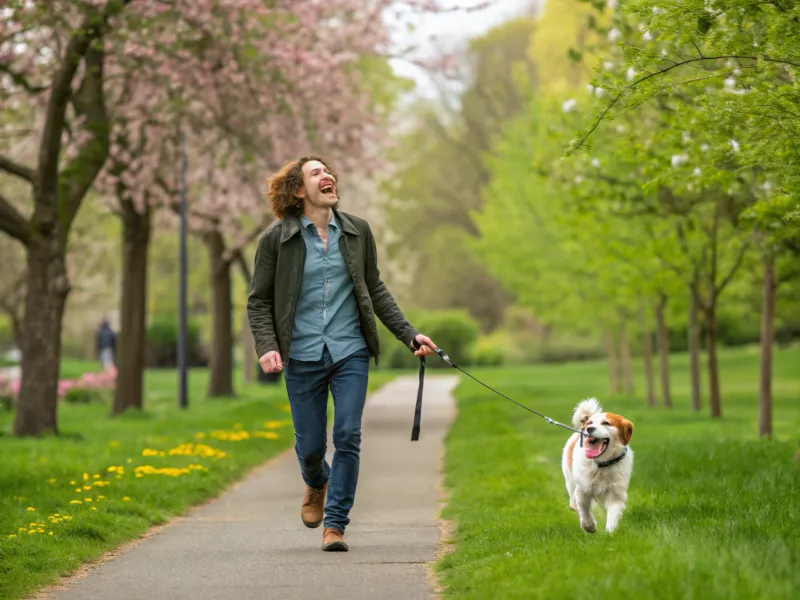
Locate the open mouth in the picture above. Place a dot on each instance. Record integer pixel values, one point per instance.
(326, 187)
(594, 447)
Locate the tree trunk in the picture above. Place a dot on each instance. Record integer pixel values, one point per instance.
(220, 382)
(130, 357)
(713, 362)
(647, 354)
(663, 350)
(47, 290)
(613, 364)
(248, 354)
(694, 352)
(625, 356)
(767, 324)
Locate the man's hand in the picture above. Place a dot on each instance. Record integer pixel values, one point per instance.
(426, 345)
(271, 362)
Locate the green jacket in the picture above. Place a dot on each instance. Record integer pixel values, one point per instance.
(277, 273)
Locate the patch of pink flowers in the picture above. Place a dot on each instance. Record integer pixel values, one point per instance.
(98, 380)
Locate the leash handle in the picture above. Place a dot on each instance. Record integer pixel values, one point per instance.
(418, 408)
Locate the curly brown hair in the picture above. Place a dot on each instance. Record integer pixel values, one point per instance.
(284, 184)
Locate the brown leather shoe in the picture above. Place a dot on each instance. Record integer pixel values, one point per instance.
(333, 540)
(313, 505)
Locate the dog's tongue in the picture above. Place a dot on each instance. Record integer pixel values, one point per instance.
(593, 451)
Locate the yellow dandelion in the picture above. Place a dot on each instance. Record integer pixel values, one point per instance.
(86, 488)
(75, 502)
(149, 452)
(126, 499)
(88, 499)
(51, 481)
(85, 476)
(200, 435)
(72, 482)
(94, 508)
(67, 517)
(101, 497)
(32, 524)
(21, 529)
(95, 476)
(130, 460)
(78, 490)
(31, 531)
(31, 509)
(12, 536)
(50, 533)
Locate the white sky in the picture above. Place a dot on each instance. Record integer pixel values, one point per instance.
(452, 30)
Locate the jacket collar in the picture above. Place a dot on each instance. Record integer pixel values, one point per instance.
(291, 225)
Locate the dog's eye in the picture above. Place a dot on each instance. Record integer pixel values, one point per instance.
(606, 423)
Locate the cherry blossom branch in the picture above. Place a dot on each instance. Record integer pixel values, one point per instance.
(83, 38)
(20, 80)
(23, 172)
(231, 253)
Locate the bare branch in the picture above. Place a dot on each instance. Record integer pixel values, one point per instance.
(13, 223)
(243, 266)
(663, 72)
(21, 171)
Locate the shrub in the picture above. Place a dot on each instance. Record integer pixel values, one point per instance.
(489, 351)
(162, 343)
(453, 330)
(78, 395)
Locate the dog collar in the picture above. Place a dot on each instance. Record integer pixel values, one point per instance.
(613, 461)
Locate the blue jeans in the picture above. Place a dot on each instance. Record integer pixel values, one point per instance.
(307, 384)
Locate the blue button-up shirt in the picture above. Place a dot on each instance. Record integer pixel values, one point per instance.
(326, 313)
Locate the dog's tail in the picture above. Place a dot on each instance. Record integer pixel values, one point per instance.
(584, 410)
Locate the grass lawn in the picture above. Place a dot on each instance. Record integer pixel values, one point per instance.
(103, 482)
(713, 511)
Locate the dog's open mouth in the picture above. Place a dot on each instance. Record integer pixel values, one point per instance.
(593, 447)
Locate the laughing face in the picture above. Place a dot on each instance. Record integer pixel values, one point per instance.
(606, 434)
(319, 186)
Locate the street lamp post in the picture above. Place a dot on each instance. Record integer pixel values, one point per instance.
(183, 350)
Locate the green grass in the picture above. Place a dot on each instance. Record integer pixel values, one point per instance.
(45, 474)
(713, 511)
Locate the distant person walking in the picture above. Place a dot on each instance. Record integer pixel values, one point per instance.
(106, 342)
(315, 293)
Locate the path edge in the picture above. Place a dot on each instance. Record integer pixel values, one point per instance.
(447, 528)
(84, 569)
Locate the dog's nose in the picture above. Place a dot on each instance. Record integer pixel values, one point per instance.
(590, 430)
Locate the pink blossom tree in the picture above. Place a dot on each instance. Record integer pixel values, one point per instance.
(120, 78)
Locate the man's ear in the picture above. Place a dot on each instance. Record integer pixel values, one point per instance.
(300, 192)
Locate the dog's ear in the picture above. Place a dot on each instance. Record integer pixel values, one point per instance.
(626, 431)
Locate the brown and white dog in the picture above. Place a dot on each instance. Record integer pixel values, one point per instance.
(601, 469)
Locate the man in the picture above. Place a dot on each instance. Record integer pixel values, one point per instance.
(315, 293)
(106, 343)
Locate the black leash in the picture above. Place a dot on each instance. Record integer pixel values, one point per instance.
(443, 355)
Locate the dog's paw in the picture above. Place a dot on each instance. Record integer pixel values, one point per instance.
(589, 526)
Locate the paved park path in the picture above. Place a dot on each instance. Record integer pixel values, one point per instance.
(250, 543)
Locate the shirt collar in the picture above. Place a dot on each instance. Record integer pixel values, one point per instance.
(307, 222)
